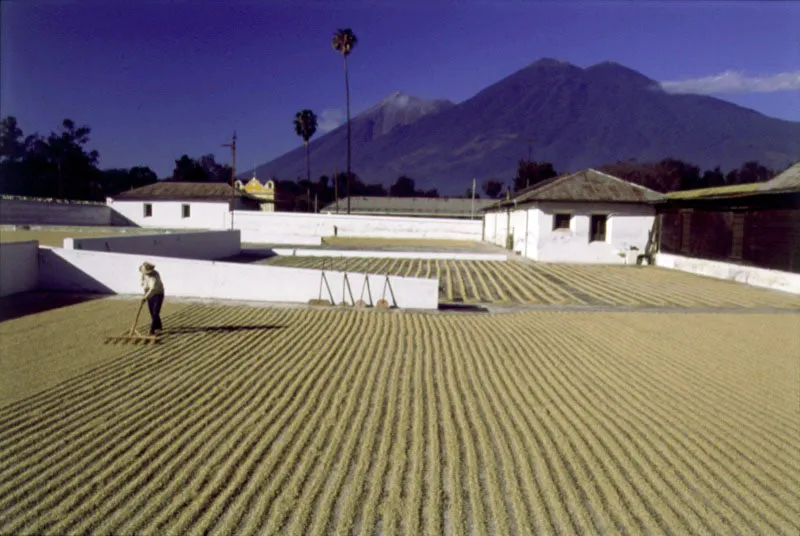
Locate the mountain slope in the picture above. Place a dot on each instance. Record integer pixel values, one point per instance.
(576, 118)
(328, 151)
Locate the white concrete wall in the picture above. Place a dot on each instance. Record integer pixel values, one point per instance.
(519, 227)
(382, 254)
(20, 212)
(117, 273)
(169, 214)
(759, 277)
(627, 225)
(19, 268)
(294, 228)
(300, 229)
(187, 245)
(496, 227)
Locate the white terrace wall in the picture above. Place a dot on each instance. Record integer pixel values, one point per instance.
(187, 245)
(759, 277)
(117, 273)
(19, 267)
(627, 225)
(42, 212)
(294, 228)
(383, 254)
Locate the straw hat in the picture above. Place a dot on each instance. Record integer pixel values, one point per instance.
(146, 267)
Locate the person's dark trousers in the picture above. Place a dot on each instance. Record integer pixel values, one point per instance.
(154, 304)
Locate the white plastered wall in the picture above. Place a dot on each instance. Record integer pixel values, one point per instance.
(627, 225)
(19, 268)
(759, 277)
(187, 245)
(169, 214)
(117, 273)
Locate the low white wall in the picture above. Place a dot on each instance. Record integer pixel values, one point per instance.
(295, 228)
(117, 273)
(432, 255)
(19, 267)
(187, 245)
(759, 277)
(33, 212)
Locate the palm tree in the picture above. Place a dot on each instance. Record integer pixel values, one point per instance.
(343, 42)
(305, 125)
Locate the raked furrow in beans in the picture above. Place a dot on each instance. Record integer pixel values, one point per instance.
(331, 421)
(231, 471)
(325, 483)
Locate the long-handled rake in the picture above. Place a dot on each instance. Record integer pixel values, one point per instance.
(133, 336)
(383, 303)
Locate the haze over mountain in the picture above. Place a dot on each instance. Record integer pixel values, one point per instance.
(570, 116)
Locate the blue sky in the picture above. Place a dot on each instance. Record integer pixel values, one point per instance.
(155, 79)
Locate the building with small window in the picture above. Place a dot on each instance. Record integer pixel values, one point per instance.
(583, 217)
(175, 205)
(745, 232)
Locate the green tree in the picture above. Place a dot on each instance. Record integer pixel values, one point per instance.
(305, 126)
(403, 187)
(492, 188)
(203, 169)
(343, 42)
(749, 172)
(530, 173)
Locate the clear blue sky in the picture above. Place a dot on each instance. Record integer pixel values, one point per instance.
(157, 79)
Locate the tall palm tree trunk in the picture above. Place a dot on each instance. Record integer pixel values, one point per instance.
(308, 162)
(349, 174)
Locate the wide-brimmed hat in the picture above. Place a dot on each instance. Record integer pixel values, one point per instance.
(146, 267)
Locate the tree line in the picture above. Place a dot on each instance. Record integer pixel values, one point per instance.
(61, 165)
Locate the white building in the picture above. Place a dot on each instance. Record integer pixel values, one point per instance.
(181, 205)
(584, 217)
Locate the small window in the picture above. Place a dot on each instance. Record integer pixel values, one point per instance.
(148, 210)
(186, 211)
(561, 221)
(597, 228)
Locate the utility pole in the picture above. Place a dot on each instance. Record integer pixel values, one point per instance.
(530, 152)
(336, 189)
(473, 199)
(232, 145)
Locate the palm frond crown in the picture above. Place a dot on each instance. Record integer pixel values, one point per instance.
(305, 124)
(344, 41)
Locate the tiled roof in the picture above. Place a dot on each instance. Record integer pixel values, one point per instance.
(180, 191)
(588, 185)
(414, 206)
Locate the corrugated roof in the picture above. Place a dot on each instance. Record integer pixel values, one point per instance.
(588, 185)
(789, 180)
(420, 206)
(181, 191)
